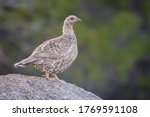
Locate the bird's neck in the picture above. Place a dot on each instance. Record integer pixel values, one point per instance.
(68, 29)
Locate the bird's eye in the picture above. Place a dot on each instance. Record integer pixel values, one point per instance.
(72, 18)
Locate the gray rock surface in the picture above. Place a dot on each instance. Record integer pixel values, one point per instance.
(21, 87)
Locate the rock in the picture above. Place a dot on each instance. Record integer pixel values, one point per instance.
(21, 87)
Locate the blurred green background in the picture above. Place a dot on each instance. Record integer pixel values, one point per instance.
(113, 41)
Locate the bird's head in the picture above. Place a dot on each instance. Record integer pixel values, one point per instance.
(70, 20)
(68, 24)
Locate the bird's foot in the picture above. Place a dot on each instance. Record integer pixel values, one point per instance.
(54, 78)
(61, 81)
(57, 80)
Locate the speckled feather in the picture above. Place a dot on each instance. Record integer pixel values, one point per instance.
(56, 54)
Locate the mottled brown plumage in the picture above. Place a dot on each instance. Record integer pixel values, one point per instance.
(55, 55)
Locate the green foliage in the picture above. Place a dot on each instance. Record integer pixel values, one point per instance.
(110, 37)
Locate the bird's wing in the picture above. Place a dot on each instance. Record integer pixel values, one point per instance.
(52, 48)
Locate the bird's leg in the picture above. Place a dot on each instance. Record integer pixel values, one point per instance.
(47, 74)
(53, 77)
(57, 79)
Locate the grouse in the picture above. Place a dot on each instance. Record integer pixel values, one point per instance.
(55, 55)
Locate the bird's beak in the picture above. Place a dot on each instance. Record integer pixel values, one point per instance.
(78, 19)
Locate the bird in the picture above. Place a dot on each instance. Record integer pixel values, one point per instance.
(55, 55)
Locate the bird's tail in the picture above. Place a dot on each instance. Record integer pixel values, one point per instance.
(25, 62)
